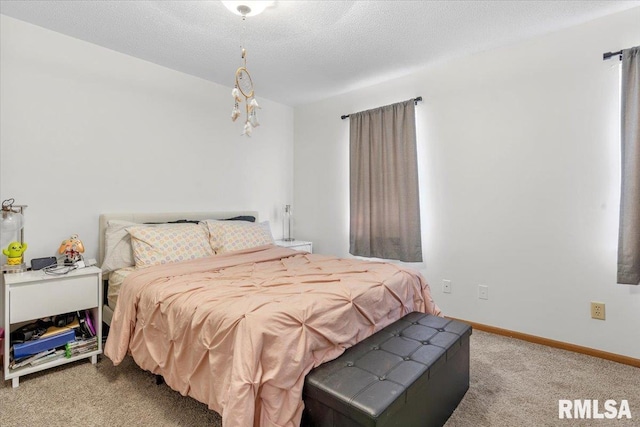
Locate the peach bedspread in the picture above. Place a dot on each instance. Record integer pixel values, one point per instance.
(239, 331)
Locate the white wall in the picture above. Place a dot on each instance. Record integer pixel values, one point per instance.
(86, 130)
(519, 161)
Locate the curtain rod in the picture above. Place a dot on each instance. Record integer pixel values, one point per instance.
(608, 55)
(415, 100)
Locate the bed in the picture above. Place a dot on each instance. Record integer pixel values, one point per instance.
(240, 329)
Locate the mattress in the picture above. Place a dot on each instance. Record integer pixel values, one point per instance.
(115, 283)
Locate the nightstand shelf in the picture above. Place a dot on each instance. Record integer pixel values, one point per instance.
(34, 295)
(298, 245)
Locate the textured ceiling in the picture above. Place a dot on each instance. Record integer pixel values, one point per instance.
(304, 51)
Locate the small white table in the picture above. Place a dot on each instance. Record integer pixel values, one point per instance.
(298, 245)
(34, 295)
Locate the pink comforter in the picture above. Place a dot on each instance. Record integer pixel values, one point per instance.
(240, 331)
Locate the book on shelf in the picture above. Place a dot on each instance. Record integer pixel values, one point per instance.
(30, 360)
(57, 354)
(80, 346)
(34, 347)
(57, 330)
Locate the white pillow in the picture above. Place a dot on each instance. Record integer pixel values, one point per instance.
(118, 251)
(267, 229)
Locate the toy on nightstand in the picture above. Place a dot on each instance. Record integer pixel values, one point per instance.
(72, 248)
(14, 253)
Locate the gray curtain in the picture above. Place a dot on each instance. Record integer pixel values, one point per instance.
(629, 234)
(385, 209)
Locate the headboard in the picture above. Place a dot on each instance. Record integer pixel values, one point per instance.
(160, 217)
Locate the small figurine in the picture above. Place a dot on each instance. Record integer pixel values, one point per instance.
(72, 248)
(14, 253)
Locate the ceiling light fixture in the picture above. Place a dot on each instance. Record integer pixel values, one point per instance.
(243, 87)
(247, 8)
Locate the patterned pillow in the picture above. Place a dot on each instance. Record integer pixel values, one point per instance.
(225, 236)
(161, 245)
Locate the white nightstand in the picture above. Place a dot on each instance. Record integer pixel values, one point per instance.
(298, 245)
(34, 295)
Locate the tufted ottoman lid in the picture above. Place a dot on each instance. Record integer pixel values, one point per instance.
(372, 380)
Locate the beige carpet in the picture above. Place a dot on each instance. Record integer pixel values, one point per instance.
(513, 383)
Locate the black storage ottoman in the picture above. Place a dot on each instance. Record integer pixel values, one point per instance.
(413, 373)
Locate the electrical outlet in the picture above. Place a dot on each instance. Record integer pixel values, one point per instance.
(483, 292)
(597, 310)
(446, 286)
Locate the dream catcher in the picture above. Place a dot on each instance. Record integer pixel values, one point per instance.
(243, 91)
